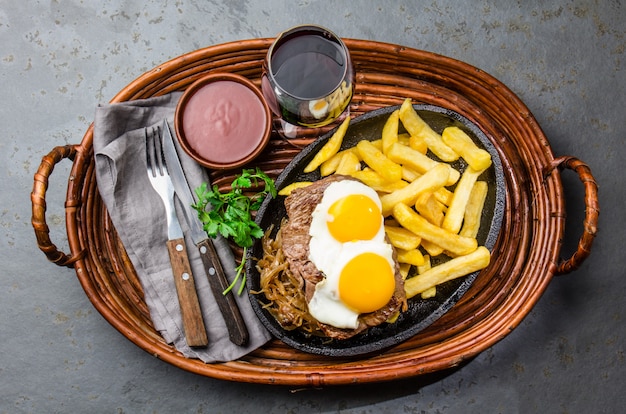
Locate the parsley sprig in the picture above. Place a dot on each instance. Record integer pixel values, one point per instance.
(230, 214)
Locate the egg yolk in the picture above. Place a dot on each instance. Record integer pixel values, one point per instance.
(366, 283)
(354, 217)
(319, 105)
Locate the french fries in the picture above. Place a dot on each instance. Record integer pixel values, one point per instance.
(452, 269)
(426, 266)
(432, 291)
(424, 219)
(474, 209)
(431, 248)
(429, 293)
(285, 191)
(348, 164)
(451, 242)
(456, 210)
(430, 208)
(421, 163)
(443, 195)
(390, 187)
(417, 127)
(405, 139)
(429, 182)
(402, 238)
(413, 257)
(390, 131)
(330, 148)
(405, 268)
(330, 165)
(462, 144)
(409, 174)
(418, 144)
(370, 177)
(379, 161)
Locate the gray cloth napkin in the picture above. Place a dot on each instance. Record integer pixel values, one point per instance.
(138, 215)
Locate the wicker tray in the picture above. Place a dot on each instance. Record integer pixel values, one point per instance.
(526, 254)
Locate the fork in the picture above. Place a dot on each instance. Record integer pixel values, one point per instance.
(193, 323)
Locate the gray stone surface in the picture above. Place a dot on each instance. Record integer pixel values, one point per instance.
(59, 59)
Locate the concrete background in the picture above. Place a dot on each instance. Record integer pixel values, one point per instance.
(60, 58)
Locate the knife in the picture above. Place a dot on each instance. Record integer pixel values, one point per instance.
(237, 331)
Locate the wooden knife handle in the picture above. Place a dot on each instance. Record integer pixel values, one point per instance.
(237, 330)
(193, 323)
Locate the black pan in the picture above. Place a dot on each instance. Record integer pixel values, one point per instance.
(421, 312)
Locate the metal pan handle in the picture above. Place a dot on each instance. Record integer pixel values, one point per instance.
(592, 210)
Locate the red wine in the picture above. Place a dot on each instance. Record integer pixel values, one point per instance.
(308, 67)
(308, 77)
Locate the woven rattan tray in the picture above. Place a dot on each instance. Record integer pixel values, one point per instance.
(525, 259)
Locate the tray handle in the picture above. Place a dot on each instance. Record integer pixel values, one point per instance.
(592, 210)
(38, 199)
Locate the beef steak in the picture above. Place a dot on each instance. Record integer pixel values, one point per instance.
(295, 234)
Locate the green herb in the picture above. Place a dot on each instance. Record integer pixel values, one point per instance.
(230, 214)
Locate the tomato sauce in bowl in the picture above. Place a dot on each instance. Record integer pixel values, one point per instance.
(223, 121)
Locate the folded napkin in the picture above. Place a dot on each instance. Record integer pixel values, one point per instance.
(135, 210)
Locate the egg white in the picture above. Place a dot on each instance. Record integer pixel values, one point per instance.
(330, 255)
(323, 247)
(326, 305)
(318, 112)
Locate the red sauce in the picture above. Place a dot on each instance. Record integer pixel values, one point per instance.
(224, 121)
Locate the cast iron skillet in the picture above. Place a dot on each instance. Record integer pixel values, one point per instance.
(421, 312)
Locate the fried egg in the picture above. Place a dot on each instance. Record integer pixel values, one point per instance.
(348, 246)
(318, 108)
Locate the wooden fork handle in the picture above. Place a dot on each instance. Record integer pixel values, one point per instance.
(193, 323)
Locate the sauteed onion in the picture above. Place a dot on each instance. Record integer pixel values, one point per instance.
(283, 290)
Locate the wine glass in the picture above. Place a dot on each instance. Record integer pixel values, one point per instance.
(308, 81)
